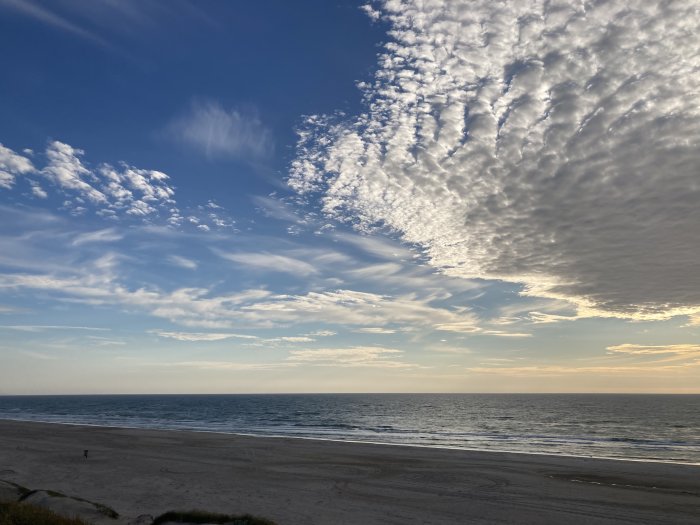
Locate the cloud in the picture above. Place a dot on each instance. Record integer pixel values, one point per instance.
(542, 143)
(229, 365)
(216, 132)
(66, 170)
(100, 22)
(33, 10)
(114, 191)
(623, 359)
(8, 309)
(200, 336)
(351, 307)
(121, 192)
(293, 339)
(376, 246)
(105, 235)
(375, 330)
(182, 262)
(560, 370)
(137, 191)
(37, 190)
(98, 283)
(43, 328)
(11, 165)
(359, 356)
(317, 333)
(277, 209)
(270, 262)
(501, 333)
(634, 349)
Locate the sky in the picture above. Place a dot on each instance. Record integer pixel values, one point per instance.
(400, 196)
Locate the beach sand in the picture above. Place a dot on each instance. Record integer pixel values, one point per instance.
(299, 481)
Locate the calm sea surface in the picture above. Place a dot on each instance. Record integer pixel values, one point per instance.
(644, 427)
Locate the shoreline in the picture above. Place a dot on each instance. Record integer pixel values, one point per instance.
(295, 481)
(353, 441)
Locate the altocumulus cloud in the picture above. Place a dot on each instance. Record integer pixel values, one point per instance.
(11, 165)
(558, 137)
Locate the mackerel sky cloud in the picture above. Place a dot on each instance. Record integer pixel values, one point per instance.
(403, 195)
(559, 139)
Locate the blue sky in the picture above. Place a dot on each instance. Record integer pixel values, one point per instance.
(339, 197)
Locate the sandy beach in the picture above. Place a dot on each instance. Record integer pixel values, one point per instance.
(297, 481)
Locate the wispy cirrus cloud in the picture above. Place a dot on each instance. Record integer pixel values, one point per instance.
(218, 132)
(636, 349)
(182, 262)
(104, 235)
(359, 356)
(101, 22)
(270, 262)
(98, 283)
(600, 371)
(626, 359)
(200, 336)
(46, 16)
(533, 142)
(375, 330)
(43, 328)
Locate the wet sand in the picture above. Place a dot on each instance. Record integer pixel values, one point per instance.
(298, 481)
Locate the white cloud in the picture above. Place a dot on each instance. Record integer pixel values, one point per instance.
(502, 333)
(105, 235)
(115, 192)
(545, 318)
(359, 356)
(182, 262)
(215, 131)
(350, 307)
(200, 336)
(42, 328)
(562, 370)
(377, 246)
(38, 191)
(270, 262)
(66, 170)
(375, 330)
(7, 309)
(136, 191)
(543, 143)
(11, 165)
(231, 366)
(294, 339)
(277, 209)
(374, 14)
(634, 349)
(97, 283)
(318, 333)
(32, 9)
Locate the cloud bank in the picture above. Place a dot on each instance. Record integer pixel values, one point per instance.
(551, 143)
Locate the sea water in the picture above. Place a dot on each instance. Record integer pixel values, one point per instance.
(632, 427)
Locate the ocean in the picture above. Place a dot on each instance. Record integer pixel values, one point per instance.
(632, 427)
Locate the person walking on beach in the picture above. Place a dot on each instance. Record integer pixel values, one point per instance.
(85, 453)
